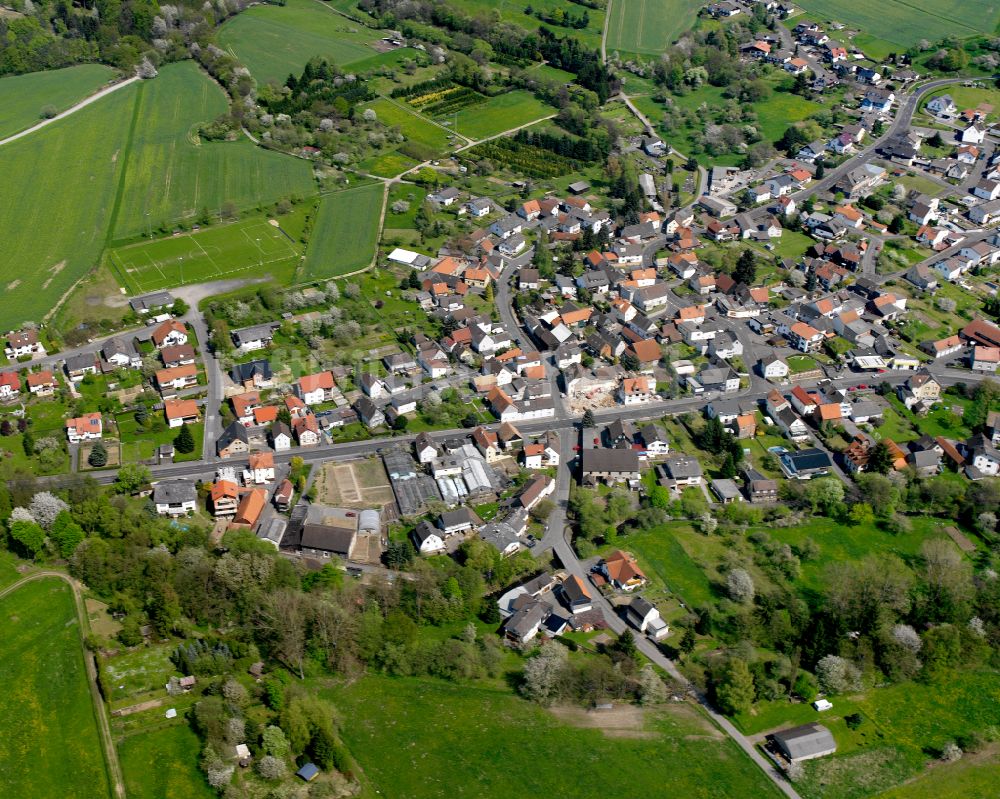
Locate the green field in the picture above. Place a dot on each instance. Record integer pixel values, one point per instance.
(661, 554)
(513, 11)
(274, 41)
(387, 165)
(55, 197)
(413, 126)
(906, 22)
(49, 740)
(162, 763)
(346, 232)
(648, 26)
(172, 175)
(209, 254)
(423, 739)
(973, 777)
(22, 97)
(501, 113)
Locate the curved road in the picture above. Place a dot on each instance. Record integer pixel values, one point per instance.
(104, 728)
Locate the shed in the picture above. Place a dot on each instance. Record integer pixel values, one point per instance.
(308, 772)
(805, 742)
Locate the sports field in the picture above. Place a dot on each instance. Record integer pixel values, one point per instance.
(273, 41)
(501, 113)
(906, 22)
(344, 237)
(648, 26)
(57, 190)
(210, 254)
(49, 740)
(171, 174)
(22, 97)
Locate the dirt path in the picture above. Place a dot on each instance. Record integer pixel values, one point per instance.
(72, 110)
(107, 742)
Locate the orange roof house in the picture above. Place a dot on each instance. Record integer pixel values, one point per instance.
(266, 415)
(646, 351)
(180, 411)
(622, 571)
(250, 507)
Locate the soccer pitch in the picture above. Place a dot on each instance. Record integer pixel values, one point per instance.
(204, 255)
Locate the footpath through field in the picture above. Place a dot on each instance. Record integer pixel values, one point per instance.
(107, 742)
(72, 110)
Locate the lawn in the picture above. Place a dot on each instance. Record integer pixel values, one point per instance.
(172, 175)
(210, 254)
(140, 443)
(797, 364)
(274, 41)
(22, 97)
(973, 776)
(162, 763)
(66, 172)
(648, 26)
(906, 22)
(408, 193)
(964, 97)
(135, 672)
(485, 741)
(414, 127)
(501, 113)
(50, 744)
(346, 232)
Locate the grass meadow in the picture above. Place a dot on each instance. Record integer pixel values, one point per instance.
(161, 762)
(513, 11)
(415, 127)
(212, 253)
(906, 22)
(49, 740)
(171, 174)
(387, 165)
(346, 232)
(648, 26)
(275, 41)
(501, 113)
(22, 97)
(56, 196)
(425, 739)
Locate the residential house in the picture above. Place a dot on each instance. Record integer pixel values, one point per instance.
(169, 334)
(256, 337)
(644, 616)
(234, 441)
(621, 571)
(42, 383)
(175, 497)
(180, 412)
(24, 344)
(88, 427)
(316, 388)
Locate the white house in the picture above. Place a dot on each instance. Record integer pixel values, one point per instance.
(88, 427)
(644, 616)
(773, 368)
(175, 497)
(942, 105)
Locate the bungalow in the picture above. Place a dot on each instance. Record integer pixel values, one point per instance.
(609, 465)
(256, 337)
(445, 197)
(180, 412)
(88, 427)
(175, 497)
(42, 383)
(942, 105)
(805, 464)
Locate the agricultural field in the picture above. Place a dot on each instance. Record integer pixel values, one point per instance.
(906, 22)
(68, 172)
(172, 175)
(346, 232)
(488, 742)
(648, 26)
(50, 744)
(275, 41)
(501, 113)
(258, 245)
(162, 762)
(22, 97)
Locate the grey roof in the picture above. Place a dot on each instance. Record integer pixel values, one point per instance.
(725, 488)
(242, 372)
(609, 460)
(680, 466)
(459, 516)
(263, 332)
(82, 360)
(641, 606)
(147, 302)
(423, 531)
(808, 740)
(231, 433)
(329, 539)
(174, 492)
(807, 459)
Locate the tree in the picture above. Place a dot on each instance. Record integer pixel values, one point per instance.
(838, 675)
(630, 362)
(936, 140)
(588, 418)
(29, 535)
(545, 672)
(274, 741)
(141, 414)
(98, 455)
(688, 641)
(184, 442)
(820, 171)
(739, 586)
(131, 477)
(746, 268)
(896, 225)
(652, 690)
(66, 533)
(399, 554)
(734, 693)
(946, 587)
(45, 507)
(270, 767)
(880, 459)
(400, 423)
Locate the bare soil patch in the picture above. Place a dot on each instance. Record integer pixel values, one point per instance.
(622, 721)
